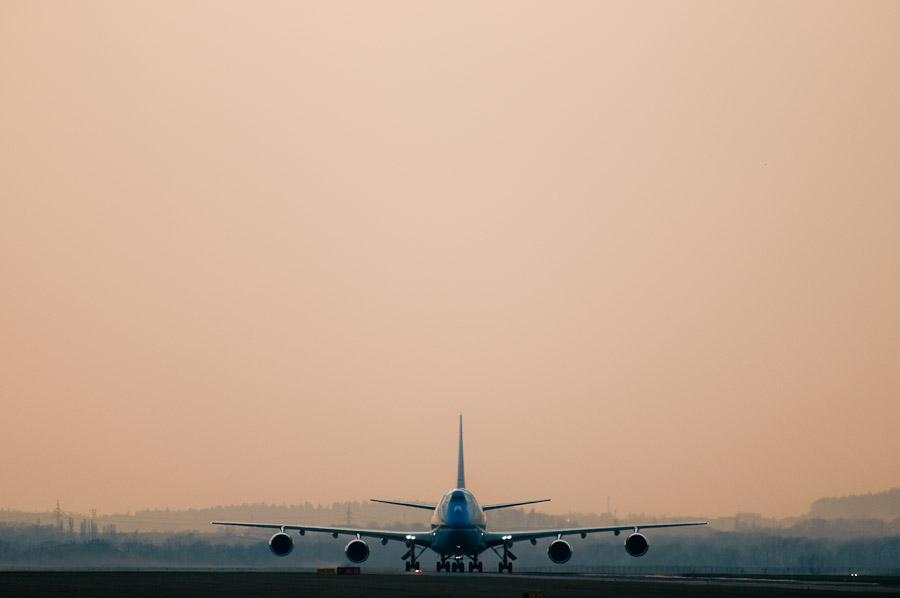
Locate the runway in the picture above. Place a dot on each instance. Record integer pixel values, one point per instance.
(822, 585)
(226, 584)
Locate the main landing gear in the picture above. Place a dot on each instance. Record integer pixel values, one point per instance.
(506, 557)
(412, 559)
(458, 566)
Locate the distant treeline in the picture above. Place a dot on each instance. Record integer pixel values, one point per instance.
(839, 535)
(870, 514)
(75, 527)
(880, 505)
(356, 514)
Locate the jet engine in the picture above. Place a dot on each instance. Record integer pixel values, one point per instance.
(281, 544)
(559, 551)
(357, 551)
(636, 544)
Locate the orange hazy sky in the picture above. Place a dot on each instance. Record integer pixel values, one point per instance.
(269, 251)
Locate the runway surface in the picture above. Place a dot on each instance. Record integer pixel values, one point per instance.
(223, 584)
(755, 582)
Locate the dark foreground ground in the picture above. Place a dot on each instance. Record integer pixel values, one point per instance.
(226, 584)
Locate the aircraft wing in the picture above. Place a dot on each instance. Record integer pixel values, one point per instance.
(499, 538)
(419, 538)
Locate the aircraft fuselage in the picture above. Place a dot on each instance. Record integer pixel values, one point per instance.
(458, 524)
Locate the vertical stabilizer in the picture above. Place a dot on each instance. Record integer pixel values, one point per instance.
(461, 471)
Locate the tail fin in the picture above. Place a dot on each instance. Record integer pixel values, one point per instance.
(461, 471)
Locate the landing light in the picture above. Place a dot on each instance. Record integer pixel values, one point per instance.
(506, 538)
(410, 537)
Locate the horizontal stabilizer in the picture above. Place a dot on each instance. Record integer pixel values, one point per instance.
(414, 505)
(512, 504)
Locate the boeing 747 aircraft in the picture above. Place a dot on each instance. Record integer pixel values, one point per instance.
(458, 532)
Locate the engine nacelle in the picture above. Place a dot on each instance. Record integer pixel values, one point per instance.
(357, 551)
(636, 544)
(281, 544)
(559, 551)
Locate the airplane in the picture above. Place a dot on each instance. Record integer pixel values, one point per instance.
(458, 532)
